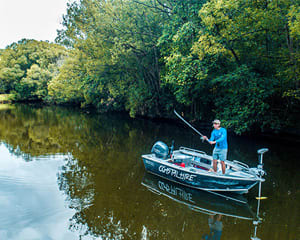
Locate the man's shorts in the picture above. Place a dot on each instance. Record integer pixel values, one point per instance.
(219, 154)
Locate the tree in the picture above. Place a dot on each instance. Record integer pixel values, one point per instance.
(120, 59)
(252, 35)
(26, 68)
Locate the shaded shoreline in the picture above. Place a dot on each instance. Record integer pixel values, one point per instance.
(287, 134)
(5, 98)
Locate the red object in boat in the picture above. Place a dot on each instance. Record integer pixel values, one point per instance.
(180, 164)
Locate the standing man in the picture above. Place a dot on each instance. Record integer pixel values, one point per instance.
(218, 137)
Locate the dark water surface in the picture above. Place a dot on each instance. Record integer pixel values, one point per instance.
(65, 174)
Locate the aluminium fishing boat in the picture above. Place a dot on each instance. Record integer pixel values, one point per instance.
(193, 168)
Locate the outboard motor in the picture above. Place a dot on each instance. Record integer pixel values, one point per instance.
(160, 149)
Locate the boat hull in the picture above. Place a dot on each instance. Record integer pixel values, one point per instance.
(208, 181)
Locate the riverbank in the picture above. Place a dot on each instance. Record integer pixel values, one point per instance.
(286, 134)
(5, 98)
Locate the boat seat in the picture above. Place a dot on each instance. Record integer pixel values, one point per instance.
(182, 156)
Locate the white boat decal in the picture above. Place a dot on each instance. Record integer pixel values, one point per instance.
(174, 173)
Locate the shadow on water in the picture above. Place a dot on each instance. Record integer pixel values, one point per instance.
(101, 172)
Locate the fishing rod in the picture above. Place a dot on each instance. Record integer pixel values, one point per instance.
(187, 123)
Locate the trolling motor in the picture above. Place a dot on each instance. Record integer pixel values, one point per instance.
(261, 152)
(255, 223)
(258, 171)
(261, 172)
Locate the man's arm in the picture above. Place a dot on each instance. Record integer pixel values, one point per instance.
(212, 136)
(223, 137)
(211, 140)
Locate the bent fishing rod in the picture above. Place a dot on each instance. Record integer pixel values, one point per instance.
(187, 123)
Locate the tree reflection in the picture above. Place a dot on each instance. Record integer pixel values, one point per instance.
(102, 172)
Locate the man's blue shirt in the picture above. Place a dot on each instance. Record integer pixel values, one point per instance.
(220, 136)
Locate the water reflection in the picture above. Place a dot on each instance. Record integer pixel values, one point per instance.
(215, 226)
(31, 207)
(216, 206)
(75, 175)
(200, 201)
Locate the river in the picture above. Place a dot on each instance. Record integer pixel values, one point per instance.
(72, 174)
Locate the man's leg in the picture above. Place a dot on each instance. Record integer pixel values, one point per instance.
(223, 167)
(215, 161)
(215, 164)
(223, 157)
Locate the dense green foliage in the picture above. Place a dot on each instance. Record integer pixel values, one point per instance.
(27, 67)
(235, 60)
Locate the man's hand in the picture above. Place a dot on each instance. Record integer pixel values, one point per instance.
(212, 142)
(204, 138)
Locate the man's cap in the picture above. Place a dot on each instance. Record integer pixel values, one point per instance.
(217, 121)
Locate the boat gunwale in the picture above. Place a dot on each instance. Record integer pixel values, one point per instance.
(208, 174)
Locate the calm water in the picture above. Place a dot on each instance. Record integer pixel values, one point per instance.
(66, 174)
